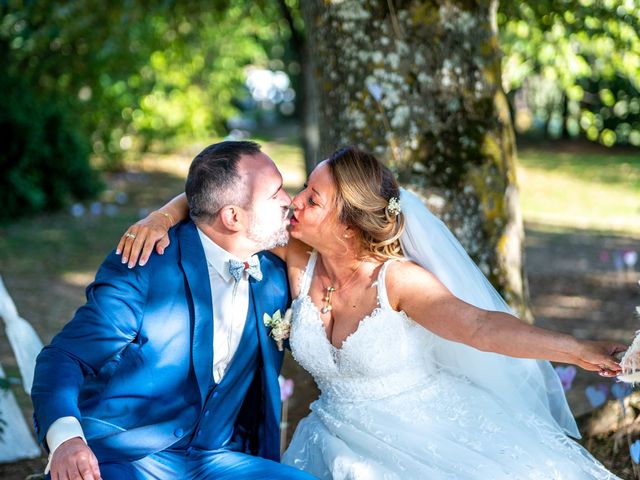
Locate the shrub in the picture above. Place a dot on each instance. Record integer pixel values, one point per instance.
(44, 161)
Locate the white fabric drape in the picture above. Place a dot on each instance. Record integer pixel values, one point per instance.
(16, 442)
(24, 340)
(525, 385)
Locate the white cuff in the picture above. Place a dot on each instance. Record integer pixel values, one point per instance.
(60, 431)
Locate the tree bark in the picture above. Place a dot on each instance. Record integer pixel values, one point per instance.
(418, 82)
(311, 127)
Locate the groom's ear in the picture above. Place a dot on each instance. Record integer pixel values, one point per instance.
(232, 217)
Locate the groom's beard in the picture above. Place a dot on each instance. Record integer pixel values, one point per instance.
(261, 231)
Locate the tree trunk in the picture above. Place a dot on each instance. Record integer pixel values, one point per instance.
(565, 117)
(418, 83)
(311, 127)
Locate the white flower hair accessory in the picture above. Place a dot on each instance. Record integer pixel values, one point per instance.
(393, 207)
(280, 326)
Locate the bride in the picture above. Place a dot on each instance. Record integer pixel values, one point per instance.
(395, 323)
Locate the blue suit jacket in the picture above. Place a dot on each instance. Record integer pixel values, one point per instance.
(135, 362)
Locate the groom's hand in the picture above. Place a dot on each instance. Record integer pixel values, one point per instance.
(74, 460)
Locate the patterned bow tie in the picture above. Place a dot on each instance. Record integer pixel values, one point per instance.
(251, 266)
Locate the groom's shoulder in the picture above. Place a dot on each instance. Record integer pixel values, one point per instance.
(183, 235)
(275, 283)
(112, 264)
(269, 261)
(171, 254)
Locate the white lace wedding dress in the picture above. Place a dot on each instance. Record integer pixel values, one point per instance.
(387, 412)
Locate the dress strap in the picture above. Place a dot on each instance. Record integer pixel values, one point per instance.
(383, 298)
(307, 275)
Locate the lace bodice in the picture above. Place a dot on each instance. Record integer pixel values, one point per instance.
(387, 354)
(386, 412)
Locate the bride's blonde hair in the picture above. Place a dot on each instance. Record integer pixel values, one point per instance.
(364, 188)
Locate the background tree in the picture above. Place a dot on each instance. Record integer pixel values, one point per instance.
(138, 72)
(94, 79)
(419, 83)
(572, 68)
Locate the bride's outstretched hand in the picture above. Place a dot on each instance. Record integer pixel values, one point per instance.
(600, 357)
(137, 243)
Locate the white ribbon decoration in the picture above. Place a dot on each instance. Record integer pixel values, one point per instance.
(22, 337)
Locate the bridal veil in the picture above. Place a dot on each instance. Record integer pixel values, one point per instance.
(530, 387)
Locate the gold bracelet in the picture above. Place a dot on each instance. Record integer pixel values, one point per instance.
(168, 215)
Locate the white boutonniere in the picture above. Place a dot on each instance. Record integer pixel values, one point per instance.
(280, 326)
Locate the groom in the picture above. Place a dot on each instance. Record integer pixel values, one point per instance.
(168, 371)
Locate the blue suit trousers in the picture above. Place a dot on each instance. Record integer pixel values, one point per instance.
(196, 464)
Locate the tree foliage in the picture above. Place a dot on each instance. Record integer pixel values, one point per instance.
(132, 76)
(139, 72)
(43, 158)
(574, 65)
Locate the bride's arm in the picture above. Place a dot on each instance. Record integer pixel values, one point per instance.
(427, 301)
(138, 241)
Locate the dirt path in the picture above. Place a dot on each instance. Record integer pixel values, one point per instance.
(575, 288)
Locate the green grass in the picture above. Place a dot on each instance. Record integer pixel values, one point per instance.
(597, 191)
(47, 260)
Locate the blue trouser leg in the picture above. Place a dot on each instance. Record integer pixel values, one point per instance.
(197, 464)
(118, 471)
(162, 465)
(224, 464)
(113, 471)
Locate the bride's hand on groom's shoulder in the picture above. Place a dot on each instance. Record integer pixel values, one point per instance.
(599, 356)
(74, 460)
(139, 240)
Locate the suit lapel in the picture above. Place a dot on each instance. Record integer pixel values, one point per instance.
(269, 373)
(194, 265)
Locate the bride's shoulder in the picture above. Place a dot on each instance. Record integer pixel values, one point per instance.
(293, 253)
(405, 278)
(298, 254)
(401, 268)
(297, 257)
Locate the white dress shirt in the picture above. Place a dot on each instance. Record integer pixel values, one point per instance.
(230, 301)
(230, 305)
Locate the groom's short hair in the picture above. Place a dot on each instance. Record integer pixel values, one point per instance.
(214, 182)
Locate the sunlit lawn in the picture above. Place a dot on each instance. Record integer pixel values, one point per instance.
(46, 260)
(597, 191)
(591, 191)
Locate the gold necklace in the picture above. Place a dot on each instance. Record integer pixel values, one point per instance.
(326, 300)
